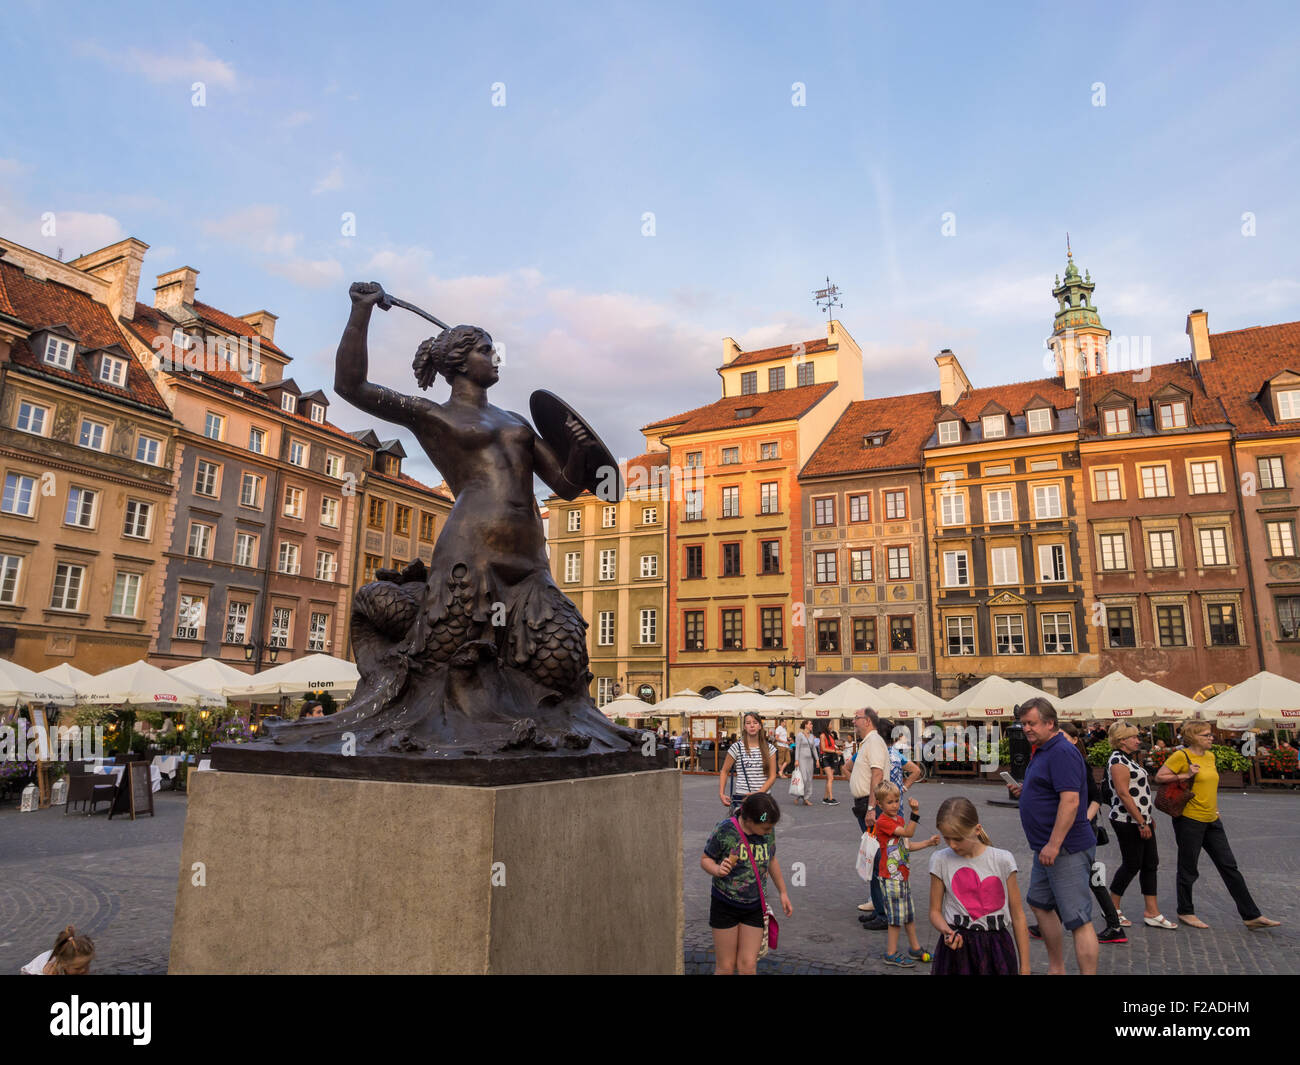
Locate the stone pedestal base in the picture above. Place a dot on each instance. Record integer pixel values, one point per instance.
(285, 874)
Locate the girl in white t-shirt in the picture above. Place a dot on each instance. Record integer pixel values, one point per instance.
(71, 956)
(974, 901)
(750, 765)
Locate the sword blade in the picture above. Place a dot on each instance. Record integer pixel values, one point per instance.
(392, 301)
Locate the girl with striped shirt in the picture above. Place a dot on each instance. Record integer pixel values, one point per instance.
(750, 764)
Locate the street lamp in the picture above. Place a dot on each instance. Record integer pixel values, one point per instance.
(784, 663)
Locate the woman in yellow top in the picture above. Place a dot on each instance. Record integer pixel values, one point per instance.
(1200, 826)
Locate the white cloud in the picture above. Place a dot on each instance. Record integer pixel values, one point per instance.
(296, 118)
(312, 273)
(331, 182)
(75, 232)
(199, 65)
(254, 228)
(12, 166)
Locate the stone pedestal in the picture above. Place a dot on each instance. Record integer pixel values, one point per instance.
(326, 875)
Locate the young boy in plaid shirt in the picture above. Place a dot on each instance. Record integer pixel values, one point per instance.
(892, 833)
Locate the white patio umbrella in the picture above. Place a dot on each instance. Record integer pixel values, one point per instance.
(18, 685)
(210, 673)
(313, 673)
(629, 706)
(734, 702)
(1171, 706)
(934, 702)
(780, 703)
(991, 699)
(683, 702)
(848, 695)
(1265, 698)
(140, 684)
(901, 704)
(68, 675)
(1113, 698)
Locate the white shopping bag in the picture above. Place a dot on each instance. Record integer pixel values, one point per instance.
(797, 789)
(867, 851)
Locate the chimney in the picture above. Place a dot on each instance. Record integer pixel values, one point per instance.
(175, 291)
(119, 264)
(730, 350)
(953, 382)
(1198, 330)
(263, 322)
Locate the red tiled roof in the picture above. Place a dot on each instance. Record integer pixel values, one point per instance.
(1014, 397)
(649, 461)
(1241, 362)
(410, 482)
(1205, 409)
(676, 418)
(5, 306)
(908, 419)
(783, 351)
(231, 324)
(39, 304)
(777, 406)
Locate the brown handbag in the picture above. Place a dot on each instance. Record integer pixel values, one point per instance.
(1173, 797)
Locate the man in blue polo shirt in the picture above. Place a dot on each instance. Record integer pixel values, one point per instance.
(1053, 813)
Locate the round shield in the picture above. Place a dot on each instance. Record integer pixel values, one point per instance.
(560, 425)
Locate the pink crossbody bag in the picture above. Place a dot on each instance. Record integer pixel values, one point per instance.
(770, 928)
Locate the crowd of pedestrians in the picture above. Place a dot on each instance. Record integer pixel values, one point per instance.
(975, 903)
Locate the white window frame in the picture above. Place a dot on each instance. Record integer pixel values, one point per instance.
(326, 565)
(257, 434)
(200, 467)
(649, 565)
(991, 422)
(1044, 493)
(730, 456)
(58, 352)
(1057, 619)
(649, 626)
(213, 420)
(1044, 418)
(244, 482)
(952, 507)
(129, 527)
(28, 408)
(329, 512)
(289, 558)
(142, 449)
(1288, 404)
(999, 560)
(609, 516)
(649, 515)
(24, 487)
(1204, 472)
(301, 449)
(294, 501)
(575, 521)
(318, 413)
(1106, 485)
(1177, 413)
(112, 371)
(956, 569)
(1272, 471)
(898, 558)
(248, 557)
(334, 466)
(604, 690)
(126, 591)
(289, 403)
(1160, 558)
(1217, 553)
(608, 564)
(964, 633)
(1053, 564)
(950, 432)
(769, 493)
(1117, 421)
(11, 570)
(572, 567)
(1281, 539)
(1159, 479)
(994, 511)
(1012, 632)
(204, 540)
(605, 629)
(88, 440)
(84, 496)
(68, 569)
(1106, 552)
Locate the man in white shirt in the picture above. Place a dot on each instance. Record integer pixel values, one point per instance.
(782, 746)
(870, 769)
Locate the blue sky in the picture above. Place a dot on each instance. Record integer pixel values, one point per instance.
(527, 218)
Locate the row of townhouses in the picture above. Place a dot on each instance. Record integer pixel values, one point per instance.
(167, 491)
(795, 533)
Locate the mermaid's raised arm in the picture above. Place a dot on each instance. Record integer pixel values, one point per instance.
(351, 369)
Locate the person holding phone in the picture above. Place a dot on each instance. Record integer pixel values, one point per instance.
(830, 760)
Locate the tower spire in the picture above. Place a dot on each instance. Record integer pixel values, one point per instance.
(1078, 338)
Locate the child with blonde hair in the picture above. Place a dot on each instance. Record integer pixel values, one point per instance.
(71, 956)
(974, 900)
(892, 833)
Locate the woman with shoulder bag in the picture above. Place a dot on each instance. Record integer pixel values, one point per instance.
(806, 758)
(1199, 825)
(829, 760)
(1132, 812)
(750, 764)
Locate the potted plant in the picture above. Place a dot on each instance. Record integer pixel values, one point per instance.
(1278, 764)
(1234, 769)
(1098, 756)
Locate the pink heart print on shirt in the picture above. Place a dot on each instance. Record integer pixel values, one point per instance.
(979, 897)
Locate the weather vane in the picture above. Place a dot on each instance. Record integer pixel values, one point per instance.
(828, 297)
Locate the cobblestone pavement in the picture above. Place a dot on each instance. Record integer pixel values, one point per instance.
(116, 880)
(824, 935)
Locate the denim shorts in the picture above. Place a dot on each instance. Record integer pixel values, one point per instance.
(1064, 886)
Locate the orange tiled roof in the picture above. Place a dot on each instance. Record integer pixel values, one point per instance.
(39, 304)
(676, 418)
(1241, 362)
(5, 306)
(908, 419)
(231, 324)
(1014, 397)
(1204, 408)
(410, 482)
(777, 406)
(783, 351)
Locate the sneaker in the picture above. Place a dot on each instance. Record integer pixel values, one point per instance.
(1034, 933)
(1112, 935)
(876, 924)
(900, 959)
(832, 802)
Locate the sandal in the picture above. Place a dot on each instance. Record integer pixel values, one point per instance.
(900, 959)
(1192, 921)
(1262, 922)
(1124, 922)
(921, 955)
(1158, 921)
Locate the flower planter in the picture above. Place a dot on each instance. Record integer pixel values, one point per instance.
(1228, 779)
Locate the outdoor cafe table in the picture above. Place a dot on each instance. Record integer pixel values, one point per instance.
(155, 777)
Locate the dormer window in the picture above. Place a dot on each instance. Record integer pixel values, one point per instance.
(1288, 404)
(875, 439)
(58, 352)
(317, 412)
(995, 426)
(179, 340)
(1173, 415)
(1116, 420)
(289, 403)
(746, 412)
(392, 465)
(255, 370)
(950, 432)
(112, 371)
(1040, 419)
